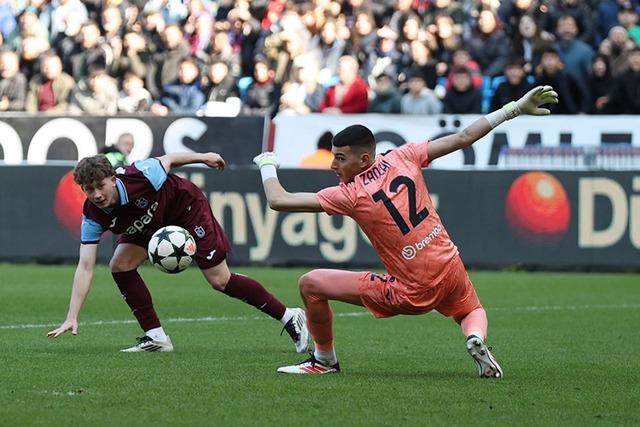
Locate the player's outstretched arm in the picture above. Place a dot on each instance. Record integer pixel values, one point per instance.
(174, 160)
(529, 104)
(280, 199)
(81, 285)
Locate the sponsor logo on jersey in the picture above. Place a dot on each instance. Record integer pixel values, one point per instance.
(199, 230)
(141, 202)
(139, 224)
(409, 252)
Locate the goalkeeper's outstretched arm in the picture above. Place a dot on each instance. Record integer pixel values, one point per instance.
(529, 104)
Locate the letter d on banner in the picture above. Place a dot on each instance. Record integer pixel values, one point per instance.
(588, 237)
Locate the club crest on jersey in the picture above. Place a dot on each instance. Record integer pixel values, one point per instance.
(199, 230)
(141, 202)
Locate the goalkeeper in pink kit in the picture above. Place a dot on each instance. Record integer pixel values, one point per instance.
(388, 197)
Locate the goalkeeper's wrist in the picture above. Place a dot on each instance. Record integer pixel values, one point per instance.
(268, 171)
(507, 112)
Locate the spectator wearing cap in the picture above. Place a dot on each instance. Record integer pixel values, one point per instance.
(490, 45)
(419, 99)
(183, 96)
(350, 95)
(515, 86)
(95, 94)
(463, 98)
(575, 53)
(551, 72)
(625, 97)
(386, 99)
(49, 90)
(13, 84)
(628, 18)
(262, 94)
(323, 156)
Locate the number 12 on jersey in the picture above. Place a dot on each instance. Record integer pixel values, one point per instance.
(414, 216)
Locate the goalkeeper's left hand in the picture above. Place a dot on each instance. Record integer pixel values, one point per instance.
(266, 158)
(531, 101)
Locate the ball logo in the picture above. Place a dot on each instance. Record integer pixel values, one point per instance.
(409, 252)
(538, 208)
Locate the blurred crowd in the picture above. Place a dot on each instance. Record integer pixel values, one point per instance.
(273, 57)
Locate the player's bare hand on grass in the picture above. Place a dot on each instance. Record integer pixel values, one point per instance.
(531, 101)
(266, 158)
(68, 325)
(214, 160)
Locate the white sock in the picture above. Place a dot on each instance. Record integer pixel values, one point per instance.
(326, 357)
(156, 334)
(288, 314)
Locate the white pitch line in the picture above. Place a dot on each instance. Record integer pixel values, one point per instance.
(351, 314)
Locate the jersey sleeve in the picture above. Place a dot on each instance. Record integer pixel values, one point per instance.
(337, 200)
(90, 231)
(417, 152)
(152, 169)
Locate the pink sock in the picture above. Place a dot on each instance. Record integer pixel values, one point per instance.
(475, 323)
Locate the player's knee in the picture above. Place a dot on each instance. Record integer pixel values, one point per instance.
(309, 283)
(119, 264)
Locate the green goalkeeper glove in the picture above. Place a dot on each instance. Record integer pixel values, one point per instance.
(531, 101)
(266, 158)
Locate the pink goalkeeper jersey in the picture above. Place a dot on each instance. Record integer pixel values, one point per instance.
(391, 203)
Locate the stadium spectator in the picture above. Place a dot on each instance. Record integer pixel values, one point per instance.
(65, 41)
(95, 94)
(301, 94)
(419, 99)
(221, 50)
(7, 18)
(164, 69)
(512, 12)
(60, 13)
(133, 98)
(13, 84)
(419, 59)
(331, 48)
(575, 53)
(490, 47)
(463, 98)
(117, 153)
(134, 57)
(385, 56)
(582, 16)
(89, 52)
(49, 90)
(322, 157)
(263, 93)
(529, 43)
(570, 94)
(244, 33)
(386, 98)
(28, 26)
(218, 84)
(350, 95)
(625, 95)
(462, 58)
(607, 17)
(628, 19)
(364, 37)
(30, 50)
(617, 47)
(515, 86)
(600, 84)
(183, 96)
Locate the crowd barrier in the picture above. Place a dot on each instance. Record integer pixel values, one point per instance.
(558, 219)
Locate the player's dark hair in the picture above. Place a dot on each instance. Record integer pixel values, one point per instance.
(355, 136)
(92, 169)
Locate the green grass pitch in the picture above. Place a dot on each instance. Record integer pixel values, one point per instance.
(569, 345)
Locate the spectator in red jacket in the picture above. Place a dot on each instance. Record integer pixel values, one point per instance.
(350, 95)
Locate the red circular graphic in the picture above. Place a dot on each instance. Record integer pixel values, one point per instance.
(538, 208)
(67, 204)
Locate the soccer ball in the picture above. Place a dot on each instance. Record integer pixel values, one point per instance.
(171, 249)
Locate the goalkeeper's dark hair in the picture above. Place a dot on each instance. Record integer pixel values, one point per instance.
(92, 169)
(355, 136)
